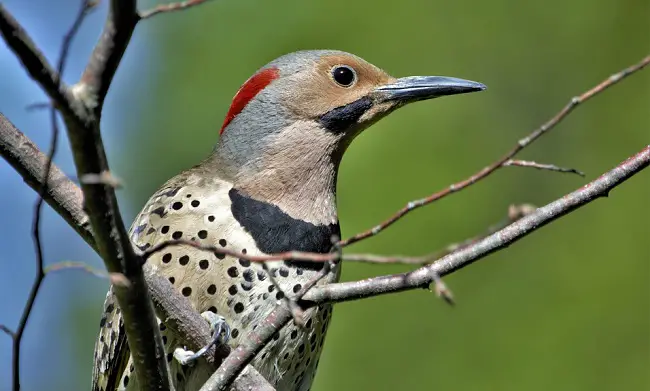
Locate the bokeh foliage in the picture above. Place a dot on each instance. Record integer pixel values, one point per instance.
(567, 308)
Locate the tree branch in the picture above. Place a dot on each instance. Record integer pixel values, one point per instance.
(63, 195)
(521, 144)
(180, 317)
(172, 7)
(28, 53)
(111, 238)
(422, 277)
(107, 54)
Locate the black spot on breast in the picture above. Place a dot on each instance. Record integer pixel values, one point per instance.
(342, 118)
(232, 271)
(160, 211)
(275, 231)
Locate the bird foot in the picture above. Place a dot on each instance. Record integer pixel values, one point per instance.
(185, 357)
(220, 334)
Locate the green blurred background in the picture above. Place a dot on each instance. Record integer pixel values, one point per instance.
(567, 308)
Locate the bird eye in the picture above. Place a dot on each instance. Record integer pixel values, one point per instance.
(344, 75)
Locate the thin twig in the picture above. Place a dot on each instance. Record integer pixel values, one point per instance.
(515, 212)
(40, 273)
(72, 265)
(293, 306)
(541, 166)
(106, 56)
(422, 277)
(521, 144)
(285, 256)
(29, 54)
(183, 320)
(164, 8)
(248, 348)
(7, 331)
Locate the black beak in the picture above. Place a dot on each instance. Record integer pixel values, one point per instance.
(414, 88)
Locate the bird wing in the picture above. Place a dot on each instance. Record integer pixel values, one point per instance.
(111, 348)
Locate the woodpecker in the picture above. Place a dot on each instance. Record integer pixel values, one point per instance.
(268, 187)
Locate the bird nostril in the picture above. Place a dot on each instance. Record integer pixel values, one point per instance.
(344, 75)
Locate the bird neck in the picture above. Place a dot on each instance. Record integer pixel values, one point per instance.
(294, 169)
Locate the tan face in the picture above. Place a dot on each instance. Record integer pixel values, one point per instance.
(335, 81)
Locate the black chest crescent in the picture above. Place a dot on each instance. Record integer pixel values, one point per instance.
(275, 231)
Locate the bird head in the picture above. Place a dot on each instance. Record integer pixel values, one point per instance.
(289, 123)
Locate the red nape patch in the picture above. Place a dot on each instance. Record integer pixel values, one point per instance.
(247, 92)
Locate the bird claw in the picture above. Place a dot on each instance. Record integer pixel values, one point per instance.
(220, 334)
(184, 357)
(218, 326)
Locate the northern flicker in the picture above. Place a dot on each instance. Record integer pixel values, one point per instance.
(268, 187)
